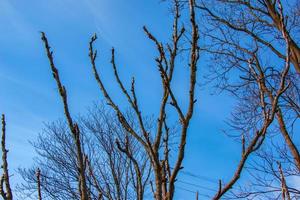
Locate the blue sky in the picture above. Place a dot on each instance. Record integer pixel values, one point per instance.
(29, 97)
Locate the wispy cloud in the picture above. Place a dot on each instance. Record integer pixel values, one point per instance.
(99, 13)
(12, 22)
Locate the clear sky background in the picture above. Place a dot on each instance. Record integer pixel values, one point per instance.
(28, 94)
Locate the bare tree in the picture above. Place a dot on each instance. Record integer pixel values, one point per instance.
(57, 159)
(252, 44)
(130, 170)
(165, 176)
(269, 110)
(5, 193)
(109, 173)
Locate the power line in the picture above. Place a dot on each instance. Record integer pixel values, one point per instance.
(198, 186)
(187, 190)
(191, 191)
(205, 178)
(211, 180)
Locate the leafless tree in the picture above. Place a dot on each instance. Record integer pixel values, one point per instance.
(132, 161)
(58, 162)
(252, 44)
(110, 173)
(165, 176)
